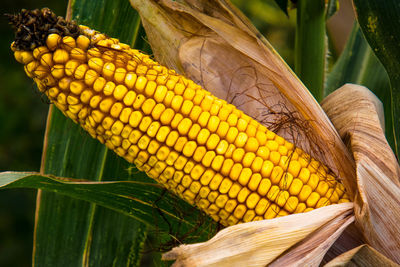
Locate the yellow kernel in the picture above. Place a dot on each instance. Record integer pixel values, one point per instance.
(129, 98)
(305, 193)
(81, 71)
(322, 188)
(257, 164)
(168, 98)
(276, 175)
(238, 154)
(206, 177)
(176, 102)
(116, 109)
(135, 118)
(304, 175)
(53, 92)
(217, 162)
(225, 186)
(167, 116)
(90, 77)
(194, 131)
(221, 200)
(145, 123)
(275, 157)
(163, 153)
(76, 87)
(163, 133)
(235, 171)
(188, 94)
(295, 187)
(312, 199)
(212, 141)
(223, 128)
(46, 60)
(272, 211)
(153, 128)
(313, 181)
(135, 136)
(82, 42)
(125, 114)
(197, 171)
(119, 75)
(207, 157)
(52, 41)
(172, 138)
(254, 181)
(109, 88)
(262, 206)
(286, 181)
(117, 127)
(195, 113)
(140, 83)
(234, 191)
(106, 104)
(241, 140)
(216, 181)
(176, 120)
(222, 147)
(203, 119)
(96, 64)
(231, 134)
(72, 100)
(70, 66)
(99, 84)
(184, 126)
(282, 198)
(252, 145)
(273, 192)
(148, 106)
(60, 56)
(108, 70)
(186, 107)
(323, 201)
(245, 176)
(107, 123)
(180, 143)
(252, 200)
(226, 167)
(203, 136)
(243, 194)
(160, 93)
(248, 159)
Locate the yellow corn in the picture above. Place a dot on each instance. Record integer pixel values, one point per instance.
(196, 145)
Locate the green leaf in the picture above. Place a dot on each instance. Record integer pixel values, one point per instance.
(283, 4)
(310, 45)
(135, 199)
(379, 21)
(357, 64)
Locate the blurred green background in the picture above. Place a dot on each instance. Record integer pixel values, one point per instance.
(23, 112)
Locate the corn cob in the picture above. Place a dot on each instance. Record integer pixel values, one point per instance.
(200, 147)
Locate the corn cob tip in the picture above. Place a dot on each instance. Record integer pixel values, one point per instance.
(32, 27)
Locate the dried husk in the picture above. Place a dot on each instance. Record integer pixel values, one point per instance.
(259, 243)
(361, 256)
(354, 111)
(212, 43)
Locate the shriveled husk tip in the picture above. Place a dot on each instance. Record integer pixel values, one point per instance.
(354, 111)
(361, 256)
(212, 43)
(259, 243)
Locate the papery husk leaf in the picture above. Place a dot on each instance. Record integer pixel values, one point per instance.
(361, 256)
(215, 45)
(377, 203)
(311, 251)
(258, 243)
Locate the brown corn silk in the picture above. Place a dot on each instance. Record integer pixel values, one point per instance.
(198, 146)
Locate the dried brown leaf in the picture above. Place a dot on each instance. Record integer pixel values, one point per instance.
(258, 243)
(361, 256)
(353, 110)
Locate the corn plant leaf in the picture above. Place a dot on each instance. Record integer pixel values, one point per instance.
(215, 45)
(363, 255)
(358, 64)
(283, 5)
(377, 205)
(379, 23)
(139, 200)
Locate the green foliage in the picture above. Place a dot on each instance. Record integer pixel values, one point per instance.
(379, 21)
